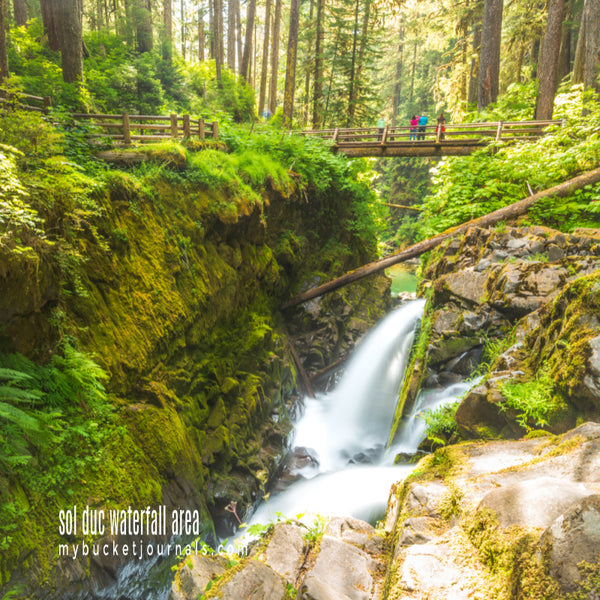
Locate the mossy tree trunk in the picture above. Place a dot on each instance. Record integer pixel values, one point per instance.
(265, 59)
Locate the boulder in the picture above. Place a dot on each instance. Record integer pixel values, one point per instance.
(341, 572)
(536, 502)
(418, 530)
(194, 575)
(428, 571)
(355, 532)
(256, 581)
(286, 551)
(424, 499)
(572, 539)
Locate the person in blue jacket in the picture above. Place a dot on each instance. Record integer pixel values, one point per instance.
(422, 125)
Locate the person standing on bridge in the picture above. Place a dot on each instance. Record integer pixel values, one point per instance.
(441, 122)
(422, 126)
(381, 126)
(413, 127)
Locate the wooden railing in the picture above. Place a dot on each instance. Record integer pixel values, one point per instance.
(25, 101)
(438, 134)
(449, 139)
(128, 128)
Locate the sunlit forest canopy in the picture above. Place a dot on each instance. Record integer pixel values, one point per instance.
(312, 63)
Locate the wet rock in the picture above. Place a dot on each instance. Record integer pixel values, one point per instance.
(427, 570)
(298, 460)
(466, 286)
(477, 417)
(574, 538)
(555, 253)
(424, 499)
(256, 581)
(418, 530)
(286, 550)
(341, 572)
(536, 502)
(368, 456)
(591, 381)
(355, 532)
(192, 578)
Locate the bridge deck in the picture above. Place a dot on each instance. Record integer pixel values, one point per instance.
(434, 140)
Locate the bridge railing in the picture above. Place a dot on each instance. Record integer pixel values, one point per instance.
(128, 128)
(447, 133)
(12, 100)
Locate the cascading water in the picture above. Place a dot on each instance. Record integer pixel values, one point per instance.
(351, 425)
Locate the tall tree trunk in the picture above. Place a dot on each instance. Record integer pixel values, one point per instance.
(412, 74)
(182, 19)
(218, 36)
(534, 56)
(238, 34)
(290, 65)
(307, 98)
(143, 19)
(201, 34)
(231, 35)
(586, 53)
(167, 50)
(564, 59)
(474, 72)
(265, 59)
(489, 61)
(351, 83)
(69, 14)
(50, 23)
(275, 58)
(318, 85)
(245, 66)
(20, 9)
(548, 72)
(592, 44)
(398, 78)
(3, 53)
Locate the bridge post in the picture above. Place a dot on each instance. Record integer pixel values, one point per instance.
(126, 130)
(47, 104)
(438, 133)
(499, 131)
(186, 126)
(215, 130)
(173, 125)
(384, 136)
(201, 128)
(335, 135)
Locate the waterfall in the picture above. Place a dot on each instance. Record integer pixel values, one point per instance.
(350, 425)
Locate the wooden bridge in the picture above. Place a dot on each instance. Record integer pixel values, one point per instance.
(435, 140)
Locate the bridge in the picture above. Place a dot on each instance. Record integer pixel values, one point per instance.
(436, 140)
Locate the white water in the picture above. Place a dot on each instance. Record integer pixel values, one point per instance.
(356, 418)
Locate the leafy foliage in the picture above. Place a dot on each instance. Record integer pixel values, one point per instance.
(440, 422)
(533, 400)
(468, 187)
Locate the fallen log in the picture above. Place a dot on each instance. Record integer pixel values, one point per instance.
(401, 206)
(508, 212)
